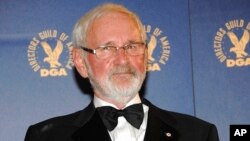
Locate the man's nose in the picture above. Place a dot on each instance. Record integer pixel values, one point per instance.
(122, 56)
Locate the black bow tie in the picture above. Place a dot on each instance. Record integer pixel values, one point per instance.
(133, 114)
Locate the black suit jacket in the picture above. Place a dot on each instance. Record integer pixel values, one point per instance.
(86, 125)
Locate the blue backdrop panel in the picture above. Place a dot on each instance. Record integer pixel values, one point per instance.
(221, 78)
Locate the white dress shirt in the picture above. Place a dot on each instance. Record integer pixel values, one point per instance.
(124, 131)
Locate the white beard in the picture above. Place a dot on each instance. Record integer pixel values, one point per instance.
(112, 85)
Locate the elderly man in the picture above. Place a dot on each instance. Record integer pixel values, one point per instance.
(111, 51)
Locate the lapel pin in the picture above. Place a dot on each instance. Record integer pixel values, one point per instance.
(168, 134)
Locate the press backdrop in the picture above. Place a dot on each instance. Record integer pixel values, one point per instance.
(200, 60)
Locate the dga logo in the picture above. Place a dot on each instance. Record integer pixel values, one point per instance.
(49, 53)
(158, 48)
(231, 43)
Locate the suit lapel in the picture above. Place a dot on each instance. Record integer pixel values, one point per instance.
(91, 126)
(158, 126)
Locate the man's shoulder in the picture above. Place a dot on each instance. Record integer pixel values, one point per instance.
(58, 121)
(60, 127)
(176, 118)
(69, 119)
(189, 120)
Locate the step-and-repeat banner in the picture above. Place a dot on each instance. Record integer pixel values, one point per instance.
(200, 60)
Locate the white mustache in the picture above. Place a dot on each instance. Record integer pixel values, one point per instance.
(123, 69)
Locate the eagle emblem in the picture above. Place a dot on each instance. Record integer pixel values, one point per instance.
(239, 45)
(151, 47)
(52, 55)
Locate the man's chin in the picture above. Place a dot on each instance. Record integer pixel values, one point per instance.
(123, 84)
(124, 97)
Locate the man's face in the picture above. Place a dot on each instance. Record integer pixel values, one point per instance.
(117, 78)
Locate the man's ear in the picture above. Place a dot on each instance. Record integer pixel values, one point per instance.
(77, 56)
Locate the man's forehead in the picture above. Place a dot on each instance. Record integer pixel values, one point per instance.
(117, 23)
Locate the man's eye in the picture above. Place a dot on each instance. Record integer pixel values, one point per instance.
(107, 48)
(130, 46)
